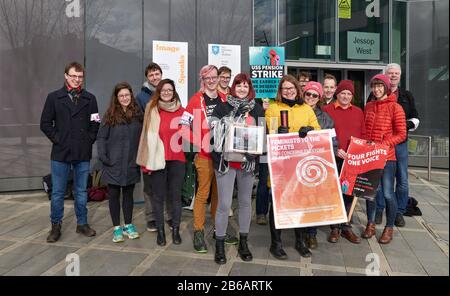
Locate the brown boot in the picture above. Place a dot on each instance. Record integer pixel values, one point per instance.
(351, 236)
(334, 235)
(386, 237)
(370, 231)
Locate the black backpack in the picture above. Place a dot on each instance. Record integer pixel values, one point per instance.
(47, 185)
(412, 209)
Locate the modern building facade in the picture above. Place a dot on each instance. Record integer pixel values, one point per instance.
(113, 38)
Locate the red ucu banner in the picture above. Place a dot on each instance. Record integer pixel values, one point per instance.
(362, 169)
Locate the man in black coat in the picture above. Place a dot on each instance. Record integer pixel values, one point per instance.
(71, 121)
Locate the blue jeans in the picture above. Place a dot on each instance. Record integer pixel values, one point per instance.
(387, 188)
(60, 173)
(401, 179)
(262, 192)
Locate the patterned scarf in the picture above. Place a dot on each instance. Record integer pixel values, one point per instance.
(240, 106)
(74, 93)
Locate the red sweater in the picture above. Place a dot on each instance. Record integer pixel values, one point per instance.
(385, 123)
(193, 124)
(347, 123)
(168, 131)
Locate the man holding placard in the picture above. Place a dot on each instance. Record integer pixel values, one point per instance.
(349, 121)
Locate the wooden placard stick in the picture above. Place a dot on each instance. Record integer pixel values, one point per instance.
(350, 213)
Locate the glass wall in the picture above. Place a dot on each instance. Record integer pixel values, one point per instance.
(399, 33)
(265, 22)
(364, 31)
(307, 29)
(37, 39)
(114, 40)
(113, 46)
(429, 72)
(198, 22)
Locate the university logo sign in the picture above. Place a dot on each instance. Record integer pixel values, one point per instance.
(215, 49)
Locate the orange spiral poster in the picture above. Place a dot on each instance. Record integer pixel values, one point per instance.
(304, 180)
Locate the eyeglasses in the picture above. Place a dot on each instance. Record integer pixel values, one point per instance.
(124, 96)
(76, 77)
(377, 86)
(308, 94)
(286, 89)
(226, 78)
(212, 79)
(167, 91)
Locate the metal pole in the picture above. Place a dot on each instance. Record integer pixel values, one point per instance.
(429, 158)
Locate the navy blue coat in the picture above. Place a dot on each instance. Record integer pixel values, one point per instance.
(71, 128)
(117, 150)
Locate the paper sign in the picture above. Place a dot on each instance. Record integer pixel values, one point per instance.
(345, 9)
(172, 57)
(304, 180)
(225, 55)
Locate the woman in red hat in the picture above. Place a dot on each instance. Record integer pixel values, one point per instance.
(386, 124)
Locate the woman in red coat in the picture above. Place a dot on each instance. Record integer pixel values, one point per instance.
(386, 124)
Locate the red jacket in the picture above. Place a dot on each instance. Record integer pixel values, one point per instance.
(193, 124)
(385, 123)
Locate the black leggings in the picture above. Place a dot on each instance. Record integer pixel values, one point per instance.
(166, 185)
(114, 203)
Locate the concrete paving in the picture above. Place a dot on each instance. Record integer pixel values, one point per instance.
(418, 249)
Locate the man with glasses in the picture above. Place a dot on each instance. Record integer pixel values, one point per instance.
(71, 121)
(194, 126)
(224, 80)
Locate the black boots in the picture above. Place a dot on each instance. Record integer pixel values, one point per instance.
(219, 256)
(243, 250)
(55, 233)
(276, 248)
(86, 230)
(300, 242)
(161, 238)
(176, 238)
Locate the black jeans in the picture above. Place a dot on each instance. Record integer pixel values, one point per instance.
(114, 203)
(262, 192)
(167, 185)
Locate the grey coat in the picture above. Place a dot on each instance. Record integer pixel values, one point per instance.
(326, 122)
(117, 150)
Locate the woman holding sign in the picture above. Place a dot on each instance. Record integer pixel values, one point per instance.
(386, 124)
(294, 116)
(240, 110)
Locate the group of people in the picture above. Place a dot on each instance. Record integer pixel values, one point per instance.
(148, 135)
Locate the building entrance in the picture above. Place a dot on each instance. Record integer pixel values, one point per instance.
(360, 77)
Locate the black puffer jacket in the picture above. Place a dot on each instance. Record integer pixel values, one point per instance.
(117, 150)
(326, 122)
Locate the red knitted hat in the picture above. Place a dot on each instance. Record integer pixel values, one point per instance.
(345, 85)
(313, 85)
(383, 78)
